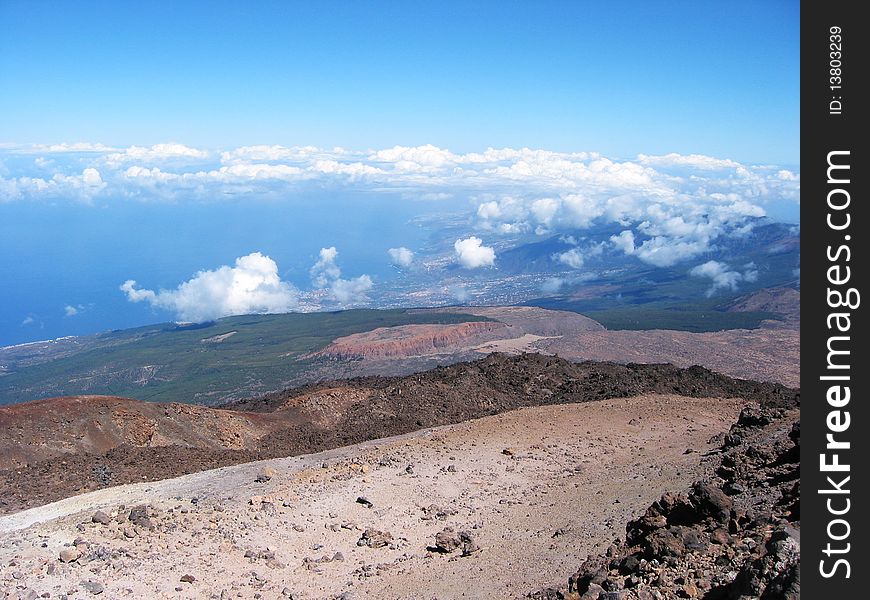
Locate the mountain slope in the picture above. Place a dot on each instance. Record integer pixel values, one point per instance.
(134, 441)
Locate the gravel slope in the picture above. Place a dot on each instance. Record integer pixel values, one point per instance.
(533, 488)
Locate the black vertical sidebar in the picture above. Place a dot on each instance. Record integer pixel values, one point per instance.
(835, 369)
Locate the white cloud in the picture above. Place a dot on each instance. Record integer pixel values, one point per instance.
(662, 251)
(583, 185)
(580, 211)
(401, 256)
(695, 161)
(28, 320)
(349, 291)
(750, 272)
(252, 172)
(261, 153)
(472, 254)
(405, 159)
(70, 311)
(82, 187)
(544, 210)
(136, 295)
(459, 293)
(353, 171)
(156, 153)
(325, 269)
(326, 274)
(74, 148)
(251, 286)
(489, 210)
(723, 276)
(624, 241)
(573, 258)
(552, 285)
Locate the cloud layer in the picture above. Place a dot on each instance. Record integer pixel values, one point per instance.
(670, 207)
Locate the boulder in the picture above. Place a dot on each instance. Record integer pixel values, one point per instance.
(101, 518)
(69, 555)
(374, 538)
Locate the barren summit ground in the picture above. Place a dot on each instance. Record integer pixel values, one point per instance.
(534, 488)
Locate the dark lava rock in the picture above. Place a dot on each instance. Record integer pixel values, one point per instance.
(711, 501)
(139, 517)
(629, 564)
(776, 573)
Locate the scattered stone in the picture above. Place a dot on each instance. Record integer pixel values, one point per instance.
(93, 587)
(265, 474)
(187, 578)
(434, 511)
(448, 540)
(364, 501)
(69, 555)
(375, 539)
(139, 517)
(721, 536)
(629, 564)
(102, 473)
(101, 518)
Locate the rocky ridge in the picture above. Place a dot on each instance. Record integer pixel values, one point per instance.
(732, 536)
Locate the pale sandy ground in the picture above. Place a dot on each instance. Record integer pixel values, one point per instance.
(575, 475)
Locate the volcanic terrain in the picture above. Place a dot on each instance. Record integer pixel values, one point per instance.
(507, 476)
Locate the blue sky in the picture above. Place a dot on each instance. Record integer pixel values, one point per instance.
(619, 78)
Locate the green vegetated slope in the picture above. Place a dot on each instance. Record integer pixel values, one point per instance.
(170, 363)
